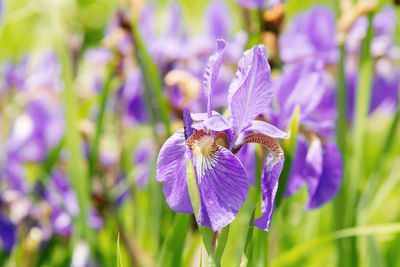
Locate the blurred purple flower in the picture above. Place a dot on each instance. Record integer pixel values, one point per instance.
(258, 4)
(317, 161)
(386, 78)
(8, 233)
(310, 35)
(221, 177)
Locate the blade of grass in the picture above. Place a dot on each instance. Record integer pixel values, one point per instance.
(152, 81)
(94, 147)
(119, 257)
(351, 184)
(75, 166)
(171, 252)
(291, 256)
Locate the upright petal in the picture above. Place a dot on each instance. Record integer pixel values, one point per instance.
(211, 73)
(218, 19)
(250, 91)
(171, 169)
(331, 177)
(221, 179)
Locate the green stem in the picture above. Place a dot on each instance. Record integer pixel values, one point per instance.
(152, 81)
(341, 102)
(94, 148)
(360, 120)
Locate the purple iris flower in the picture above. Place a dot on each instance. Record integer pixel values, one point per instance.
(317, 161)
(258, 4)
(132, 98)
(386, 78)
(210, 142)
(310, 35)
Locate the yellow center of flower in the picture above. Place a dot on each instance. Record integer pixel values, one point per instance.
(202, 144)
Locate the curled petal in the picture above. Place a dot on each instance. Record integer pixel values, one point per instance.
(216, 123)
(250, 91)
(211, 73)
(267, 129)
(331, 177)
(171, 169)
(270, 176)
(221, 179)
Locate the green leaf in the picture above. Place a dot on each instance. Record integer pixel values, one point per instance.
(249, 240)
(94, 147)
(171, 252)
(292, 255)
(158, 110)
(205, 232)
(119, 257)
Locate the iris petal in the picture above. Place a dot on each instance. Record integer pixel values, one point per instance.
(221, 179)
(171, 169)
(211, 73)
(269, 186)
(250, 91)
(331, 177)
(267, 129)
(270, 176)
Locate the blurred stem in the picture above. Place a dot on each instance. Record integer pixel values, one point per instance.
(341, 132)
(73, 145)
(362, 107)
(152, 81)
(214, 242)
(341, 102)
(94, 148)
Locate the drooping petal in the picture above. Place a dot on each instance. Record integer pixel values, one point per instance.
(331, 177)
(171, 169)
(221, 179)
(211, 73)
(267, 129)
(269, 181)
(297, 170)
(269, 186)
(314, 161)
(250, 91)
